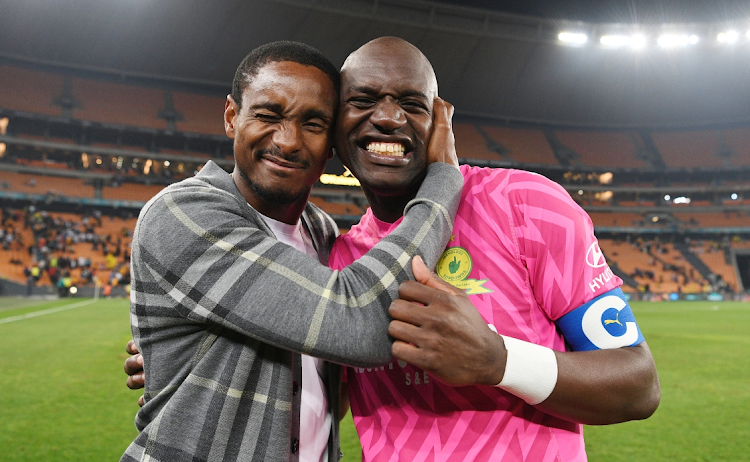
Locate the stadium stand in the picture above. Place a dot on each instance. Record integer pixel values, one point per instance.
(738, 142)
(45, 185)
(201, 114)
(470, 144)
(688, 149)
(123, 126)
(33, 91)
(603, 149)
(118, 103)
(524, 146)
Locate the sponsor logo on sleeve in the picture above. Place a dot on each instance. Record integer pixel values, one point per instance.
(594, 256)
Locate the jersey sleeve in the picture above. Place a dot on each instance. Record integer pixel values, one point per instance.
(557, 244)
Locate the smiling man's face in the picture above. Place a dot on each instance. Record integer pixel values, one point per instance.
(282, 133)
(385, 116)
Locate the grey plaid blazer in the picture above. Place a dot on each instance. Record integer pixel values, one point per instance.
(221, 310)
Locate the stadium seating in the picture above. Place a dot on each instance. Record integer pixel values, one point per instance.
(201, 114)
(470, 144)
(688, 149)
(523, 145)
(738, 141)
(33, 91)
(603, 149)
(118, 103)
(41, 184)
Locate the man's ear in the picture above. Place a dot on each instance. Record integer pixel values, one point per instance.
(331, 153)
(230, 116)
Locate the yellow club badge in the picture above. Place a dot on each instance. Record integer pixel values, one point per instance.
(454, 267)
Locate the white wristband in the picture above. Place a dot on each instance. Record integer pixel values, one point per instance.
(530, 370)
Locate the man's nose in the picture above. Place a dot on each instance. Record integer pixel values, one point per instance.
(288, 137)
(388, 115)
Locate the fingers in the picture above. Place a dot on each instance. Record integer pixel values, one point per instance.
(424, 276)
(141, 401)
(131, 348)
(133, 364)
(442, 145)
(136, 381)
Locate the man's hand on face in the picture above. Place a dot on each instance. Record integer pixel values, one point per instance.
(438, 329)
(442, 145)
(134, 368)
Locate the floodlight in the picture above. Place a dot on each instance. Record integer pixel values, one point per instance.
(573, 38)
(74, 290)
(618, 41)
(682, 200)
(3, 147)
(667, 197)
(615, 40)
(728, 37)
(675, 40)
(734, 196)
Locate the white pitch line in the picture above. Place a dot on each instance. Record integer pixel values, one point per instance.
(43, 312)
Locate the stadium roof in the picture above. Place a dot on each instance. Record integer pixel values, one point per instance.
(505, 64)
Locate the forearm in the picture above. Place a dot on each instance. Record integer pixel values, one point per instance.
(240, 279)
(604, 386)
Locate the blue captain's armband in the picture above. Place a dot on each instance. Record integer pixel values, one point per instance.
(605, 322)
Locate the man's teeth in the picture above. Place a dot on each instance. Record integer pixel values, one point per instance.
(386, 149)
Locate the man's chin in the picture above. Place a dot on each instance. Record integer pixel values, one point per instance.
(275, 195)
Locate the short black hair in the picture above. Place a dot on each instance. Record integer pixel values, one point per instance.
(276, 52)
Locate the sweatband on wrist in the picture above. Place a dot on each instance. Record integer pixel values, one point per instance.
(530, 370)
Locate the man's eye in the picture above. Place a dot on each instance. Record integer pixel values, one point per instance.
(267, 117)
(316, 126)
(414, 105)
(362, 102)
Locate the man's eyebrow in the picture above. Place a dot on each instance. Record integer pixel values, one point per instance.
(373, 91)
(273, 107)
(318, 114)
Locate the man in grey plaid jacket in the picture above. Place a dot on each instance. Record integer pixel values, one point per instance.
(222, 310)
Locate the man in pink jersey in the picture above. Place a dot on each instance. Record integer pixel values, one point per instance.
(523, 262)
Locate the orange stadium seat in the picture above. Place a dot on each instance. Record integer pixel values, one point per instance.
(524, 145)
(30, 91)
(202, 114)
(603, 149)
(738, 141)
(41, 184)
(470, 144)
(680, 149)
(118, 103)
(131, 192)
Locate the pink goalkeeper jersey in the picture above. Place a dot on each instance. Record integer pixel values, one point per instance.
(526, 254)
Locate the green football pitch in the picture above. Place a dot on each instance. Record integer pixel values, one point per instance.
(63, 394)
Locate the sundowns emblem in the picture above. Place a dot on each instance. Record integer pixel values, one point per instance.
(454, 267)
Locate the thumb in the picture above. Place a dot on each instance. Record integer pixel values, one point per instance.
(423, 275)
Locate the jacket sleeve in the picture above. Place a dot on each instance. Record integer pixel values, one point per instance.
(197, 256)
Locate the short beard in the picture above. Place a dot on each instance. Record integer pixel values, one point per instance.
(272, 196)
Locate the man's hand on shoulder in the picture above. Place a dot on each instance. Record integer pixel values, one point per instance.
(438, 329)
(134, 368)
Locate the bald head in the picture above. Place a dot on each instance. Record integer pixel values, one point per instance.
(398, 53)
(388, 88)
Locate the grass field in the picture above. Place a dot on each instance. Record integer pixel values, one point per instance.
(62, 392)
